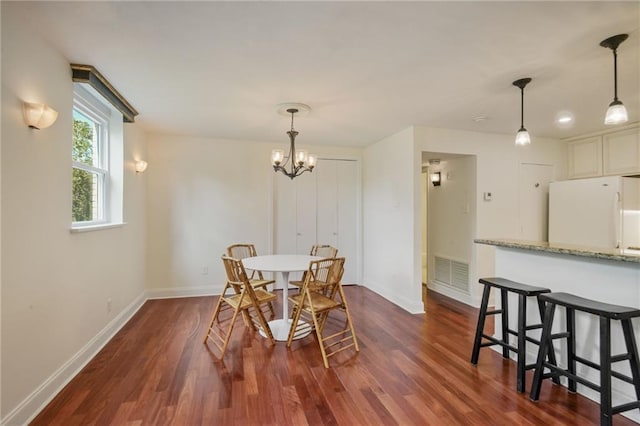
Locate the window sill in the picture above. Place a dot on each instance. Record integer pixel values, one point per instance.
(100, 227)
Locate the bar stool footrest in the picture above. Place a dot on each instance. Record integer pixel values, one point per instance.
(625, 407)
(493, 341)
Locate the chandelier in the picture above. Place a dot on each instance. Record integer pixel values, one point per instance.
(297, 162)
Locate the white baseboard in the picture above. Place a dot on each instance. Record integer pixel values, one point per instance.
(411, 306)
(28, 409)
(452, 293)
(175, 292)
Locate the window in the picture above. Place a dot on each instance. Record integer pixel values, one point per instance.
(97, 162)
(90, 165)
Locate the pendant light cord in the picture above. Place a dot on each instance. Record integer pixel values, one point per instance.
(522, 108)
(615, 75)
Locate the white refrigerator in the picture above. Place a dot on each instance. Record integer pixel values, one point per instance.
(598, 212)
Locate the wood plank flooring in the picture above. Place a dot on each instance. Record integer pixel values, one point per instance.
(411, 370)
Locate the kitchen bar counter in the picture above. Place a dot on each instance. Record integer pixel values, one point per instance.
(610, 276)
(592, 252)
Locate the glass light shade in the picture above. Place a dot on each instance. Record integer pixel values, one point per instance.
(522, 137)
(301, 157)
(311, 161)
(277, 155)
(616, 114)
(38, 116)
(141, 166)
(435, 178)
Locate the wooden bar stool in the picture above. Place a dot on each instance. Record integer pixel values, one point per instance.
(606, 313)
(523, 291)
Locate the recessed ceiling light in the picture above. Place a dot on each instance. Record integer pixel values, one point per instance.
(564, 119)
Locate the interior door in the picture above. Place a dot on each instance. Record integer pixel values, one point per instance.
(294, 214)
(320, 208)
(328, 202)
(347, 218)
(306, 207)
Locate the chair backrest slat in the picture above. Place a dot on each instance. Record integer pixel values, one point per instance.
(242, 251)
(324, 251)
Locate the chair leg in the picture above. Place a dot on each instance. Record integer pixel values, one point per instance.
(214, 318)
(349, 321)
(480, 326)
(228, 336)
(522, 353)
(264, 325)
(552, 352)
(605, 371)
(546, 345)
(504, 298)
(316, 324)
(632, 349)
(571, 347)
(295, 315)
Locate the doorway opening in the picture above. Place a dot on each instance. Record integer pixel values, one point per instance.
(448, 223)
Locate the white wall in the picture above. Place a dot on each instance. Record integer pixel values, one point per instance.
(204, 195)
(497, 166)
(392, 208)
(391, 237)
(55, 284)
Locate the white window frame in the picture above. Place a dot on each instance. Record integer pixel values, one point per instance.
(103, 115)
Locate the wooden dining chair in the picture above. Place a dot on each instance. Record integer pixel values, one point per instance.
(257, 280)
(319, 297)
(324, 251)
(238, 296)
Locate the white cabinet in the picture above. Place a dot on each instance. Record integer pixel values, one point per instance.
(621, 152)
(320, 208)
(614, 153)
(585, 158)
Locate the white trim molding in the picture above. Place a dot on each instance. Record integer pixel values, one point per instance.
(28, 409)
(175, 292)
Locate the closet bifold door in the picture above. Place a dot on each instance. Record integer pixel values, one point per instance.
(319, 208)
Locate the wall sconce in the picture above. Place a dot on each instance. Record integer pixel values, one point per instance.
(141, 166)
(435, 179)
(38, 116)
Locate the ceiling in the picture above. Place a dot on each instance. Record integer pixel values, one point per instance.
(367, 69)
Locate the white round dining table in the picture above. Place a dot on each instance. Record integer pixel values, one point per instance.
(284, 264)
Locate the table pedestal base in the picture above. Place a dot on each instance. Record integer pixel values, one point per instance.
(280, 330)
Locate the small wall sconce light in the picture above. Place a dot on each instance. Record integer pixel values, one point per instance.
(141, 166)
(38, 116)
(435, 179)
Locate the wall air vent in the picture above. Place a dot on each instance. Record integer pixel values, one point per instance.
(452, 273)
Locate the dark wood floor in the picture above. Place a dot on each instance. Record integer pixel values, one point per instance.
(411, 370)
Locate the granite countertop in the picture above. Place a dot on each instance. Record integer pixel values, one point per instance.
(628, 255)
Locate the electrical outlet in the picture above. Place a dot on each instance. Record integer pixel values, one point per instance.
(205, 270)
(109, 305)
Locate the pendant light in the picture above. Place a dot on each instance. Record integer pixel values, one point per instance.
(616, 113)
(522, 137)
(298, 161)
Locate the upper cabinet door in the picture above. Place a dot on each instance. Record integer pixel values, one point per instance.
(585, 158)
(621, 152)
